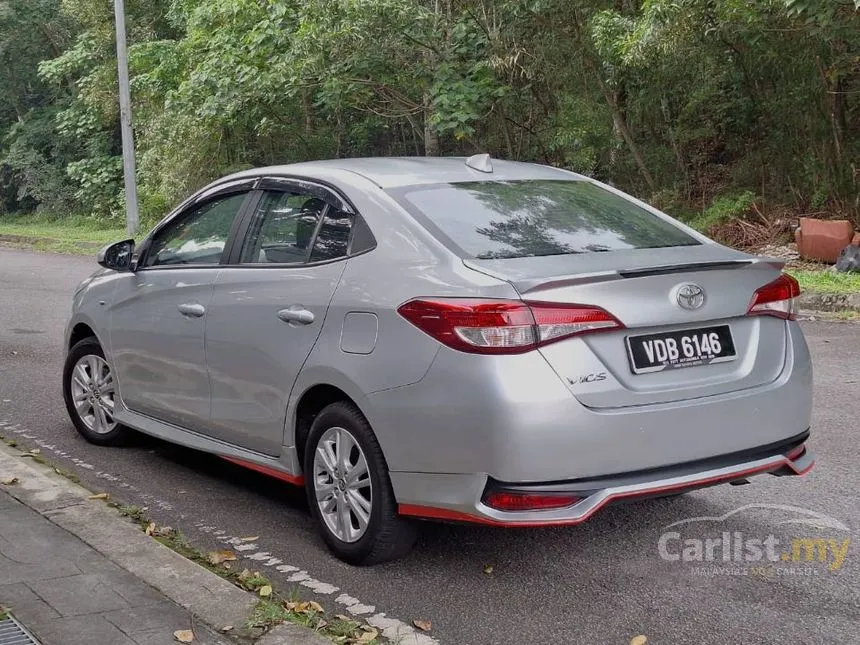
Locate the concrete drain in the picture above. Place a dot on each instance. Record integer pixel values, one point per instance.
(13, 633)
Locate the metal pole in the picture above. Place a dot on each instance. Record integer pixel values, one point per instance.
(128, 166)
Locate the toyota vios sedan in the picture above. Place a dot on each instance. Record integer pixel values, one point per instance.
(466, 340)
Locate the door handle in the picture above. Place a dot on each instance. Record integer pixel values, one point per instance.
(192, 310)
(296, 315)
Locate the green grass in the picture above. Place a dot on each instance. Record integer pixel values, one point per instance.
(77, 235)
(827, 281)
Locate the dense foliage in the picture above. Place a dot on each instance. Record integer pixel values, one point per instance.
(689, 103)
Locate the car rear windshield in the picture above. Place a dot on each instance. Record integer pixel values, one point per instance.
(514, 219)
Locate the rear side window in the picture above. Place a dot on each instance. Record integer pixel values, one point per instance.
(333, 238)
(515, 219)
(282, 228)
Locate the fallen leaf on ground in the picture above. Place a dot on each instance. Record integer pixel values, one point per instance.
(35, 451)
(342, 617)
(368, 637)
(322, 624)
(99, 496)
(265, 591)
(227, 628)
(312, 604)
(10, 481)
(219, 557)
(184, 635)
(250, 539)
(150, 529)
(423, 625)
(488, 568)
(639, 640)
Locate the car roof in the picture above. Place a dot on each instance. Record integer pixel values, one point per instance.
(393, 172)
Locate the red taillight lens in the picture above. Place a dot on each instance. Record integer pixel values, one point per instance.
(778, 298)
(510, 501)
(502, 326)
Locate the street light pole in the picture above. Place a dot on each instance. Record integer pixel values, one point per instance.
(128, 166)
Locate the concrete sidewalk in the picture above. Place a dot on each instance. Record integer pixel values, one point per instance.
(75, 572)
(67, 593)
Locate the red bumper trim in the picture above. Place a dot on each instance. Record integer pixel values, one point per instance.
(296, 480)
(434, 513)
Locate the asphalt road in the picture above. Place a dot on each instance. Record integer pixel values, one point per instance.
(602, 582)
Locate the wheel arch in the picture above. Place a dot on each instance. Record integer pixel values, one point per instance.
(81, 327)
(308, 405)
(79, 332)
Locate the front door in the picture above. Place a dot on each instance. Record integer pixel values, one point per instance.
(267, 311)
(159, 312)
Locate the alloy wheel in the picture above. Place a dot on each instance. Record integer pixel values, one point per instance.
(93, 393)
(344, 492)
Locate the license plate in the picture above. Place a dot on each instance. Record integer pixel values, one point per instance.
(685, 348)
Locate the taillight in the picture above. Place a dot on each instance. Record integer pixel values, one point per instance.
(502, 326)
(777, 298)
(513, 501)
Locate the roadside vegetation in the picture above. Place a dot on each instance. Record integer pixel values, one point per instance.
(78, 235)
(827, 281)
(731, 115)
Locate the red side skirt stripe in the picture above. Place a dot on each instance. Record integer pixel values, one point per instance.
(296, 480)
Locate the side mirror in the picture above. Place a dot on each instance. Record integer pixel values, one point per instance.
(117, 256)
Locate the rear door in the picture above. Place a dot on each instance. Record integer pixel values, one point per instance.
(268, 308)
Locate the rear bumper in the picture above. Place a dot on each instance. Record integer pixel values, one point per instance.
(461, 498)
(512, 418)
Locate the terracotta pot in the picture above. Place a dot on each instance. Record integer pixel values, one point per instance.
(823, 240)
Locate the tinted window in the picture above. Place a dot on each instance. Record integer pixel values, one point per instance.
(197, 236)
(333, 239)
(282, 228)
(529, 218)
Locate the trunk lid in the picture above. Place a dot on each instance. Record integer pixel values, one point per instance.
(640, 287)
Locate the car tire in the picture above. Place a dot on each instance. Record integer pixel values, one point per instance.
(92, 420)
(386, 535)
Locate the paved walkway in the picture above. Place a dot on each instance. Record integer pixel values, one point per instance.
(66, 593)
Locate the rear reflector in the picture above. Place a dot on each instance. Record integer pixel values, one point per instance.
(511, 501)
(778, 298)
(502, 326)
(796, 452)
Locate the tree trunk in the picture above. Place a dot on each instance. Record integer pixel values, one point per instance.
(620, 124)
(431, 137)
(308, 109)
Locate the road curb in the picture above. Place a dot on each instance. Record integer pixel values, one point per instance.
(212, 599)
(814, 301)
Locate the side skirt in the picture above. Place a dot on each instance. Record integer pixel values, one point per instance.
(286, 467)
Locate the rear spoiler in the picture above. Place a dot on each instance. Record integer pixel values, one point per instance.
(526, 285)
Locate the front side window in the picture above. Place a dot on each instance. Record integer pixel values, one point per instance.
(197, 236)
(512, 219)
(282, 229)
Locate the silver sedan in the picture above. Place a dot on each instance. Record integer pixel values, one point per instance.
(466, 340)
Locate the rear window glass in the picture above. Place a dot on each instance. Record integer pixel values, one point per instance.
(540, 217)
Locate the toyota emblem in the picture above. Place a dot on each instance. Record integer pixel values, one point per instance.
(690, 296)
